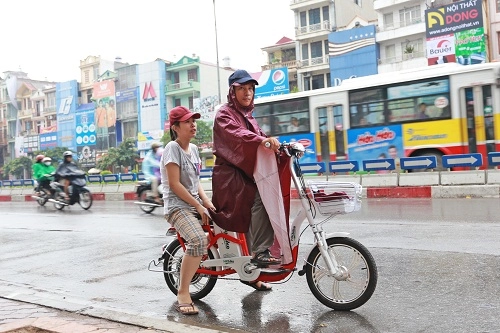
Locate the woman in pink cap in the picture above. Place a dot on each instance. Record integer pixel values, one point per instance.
(185, 199)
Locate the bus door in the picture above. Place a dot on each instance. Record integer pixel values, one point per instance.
(480, 120)
(329, 120)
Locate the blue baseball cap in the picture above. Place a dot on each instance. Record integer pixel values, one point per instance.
(241, 76)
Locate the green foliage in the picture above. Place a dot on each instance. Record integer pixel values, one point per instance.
(204, 133)
(17, 167)
(125, 154)
(105, 172)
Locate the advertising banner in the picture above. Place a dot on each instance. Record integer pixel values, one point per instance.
(441, 49)
(105, 114)
(86, 138)
(375, 143)
(470, 46)
(48, 140)
(453, 18)
(272, 82)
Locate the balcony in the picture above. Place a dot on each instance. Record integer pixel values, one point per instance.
(401, 29)
(313, 30)
(299, 4)
(182, 87)
(292, 64)
(383, 4)
(402, 62)
(312, 64)
(24, 114)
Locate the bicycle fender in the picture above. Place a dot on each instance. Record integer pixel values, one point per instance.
(328, 236)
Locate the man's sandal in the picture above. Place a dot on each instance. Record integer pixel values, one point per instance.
(265, 259)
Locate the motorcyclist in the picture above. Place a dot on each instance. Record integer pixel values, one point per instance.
(66, 171)
(45, 174)
(150, 168)
(35, 169)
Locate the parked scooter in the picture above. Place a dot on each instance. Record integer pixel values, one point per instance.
(340, 271)
(146, 198)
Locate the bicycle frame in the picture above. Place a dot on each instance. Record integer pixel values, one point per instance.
(230, 252)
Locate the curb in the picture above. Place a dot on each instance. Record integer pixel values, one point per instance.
(426, 191)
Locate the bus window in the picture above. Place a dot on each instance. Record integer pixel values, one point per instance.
(338, 121)
(471, 121)
(488, 119)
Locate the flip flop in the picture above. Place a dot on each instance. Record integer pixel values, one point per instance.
(185, 308)
(255, 286)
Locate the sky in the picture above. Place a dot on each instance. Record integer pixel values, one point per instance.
(48, 38)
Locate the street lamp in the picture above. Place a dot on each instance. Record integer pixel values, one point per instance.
(217, 55)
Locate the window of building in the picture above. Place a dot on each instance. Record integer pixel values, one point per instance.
(498, 6)
(326, 13)
(318, 81)
(410, 15)
(303, 19)
(316, 50)
(327, 47)
(305, 52)
(328, 80)
(86, 75)
(314, 16)
(390, 53)
(388, 21)
(357, 2)
(175, 77)
(177, 102)
(96, 73)
(190, 102)
(415, 46)
(193, 74)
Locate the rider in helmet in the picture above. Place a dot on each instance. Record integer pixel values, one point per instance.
(151, 168)
(65, 170)
(45, 175)
(35, 169)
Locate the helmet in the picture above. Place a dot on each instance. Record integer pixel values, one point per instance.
(155, 145)
(68, 153)
(46, 159)
(39, 157)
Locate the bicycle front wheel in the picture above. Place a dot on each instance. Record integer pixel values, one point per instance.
(360, 275)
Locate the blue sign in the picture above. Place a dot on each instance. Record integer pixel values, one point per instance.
(17, 182)
(317, 167)
(7, 183)
(450, 161)
(127, 177)
(379, 164)
(272, 82)
(110, 178)
(343, 166)
(140, 176)
(493, 159)
(94, 178)
(205, 173)
(126, 95)
(418, 162)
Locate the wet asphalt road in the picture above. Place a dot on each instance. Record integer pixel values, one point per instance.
(438, 261)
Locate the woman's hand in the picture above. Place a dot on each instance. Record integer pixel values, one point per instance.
(271, 143)
(203, 213)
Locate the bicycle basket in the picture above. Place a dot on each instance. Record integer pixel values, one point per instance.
(332, 198)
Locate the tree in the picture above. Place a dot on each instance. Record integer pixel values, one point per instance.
(123, 155)
(204, 134)
(17, 167)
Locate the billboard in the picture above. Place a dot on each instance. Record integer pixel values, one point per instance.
(272, 82)
(104, 98)
(455, 33)
(352, 53)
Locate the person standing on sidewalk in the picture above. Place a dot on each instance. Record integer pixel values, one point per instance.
(186, 200)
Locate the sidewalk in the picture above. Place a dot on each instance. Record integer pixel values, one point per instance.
(22, 317)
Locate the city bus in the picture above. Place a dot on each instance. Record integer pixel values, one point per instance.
(436, 110)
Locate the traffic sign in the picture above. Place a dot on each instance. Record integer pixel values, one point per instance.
(450, 161)
(418, 162)
(312, 167)
(127, 177)
(111, 178)
(205, 173)
(343, 166)
(379, 164)
(493, 159)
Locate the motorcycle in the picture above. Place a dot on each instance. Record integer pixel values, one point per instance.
(340, 271)
(146, 198)
(78, 192)
(43, 195)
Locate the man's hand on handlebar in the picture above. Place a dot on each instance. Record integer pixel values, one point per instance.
(271, 143)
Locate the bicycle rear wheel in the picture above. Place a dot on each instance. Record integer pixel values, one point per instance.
(201, 285)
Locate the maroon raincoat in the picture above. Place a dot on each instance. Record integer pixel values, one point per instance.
(236, 139)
